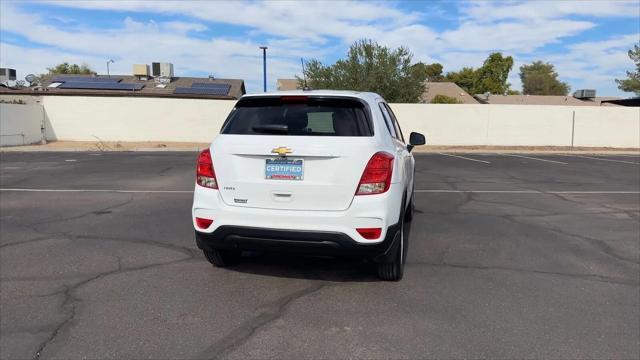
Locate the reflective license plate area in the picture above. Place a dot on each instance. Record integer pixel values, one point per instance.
(284, 169)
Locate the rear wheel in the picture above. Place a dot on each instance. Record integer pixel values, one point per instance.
(394, 270)
(222, 258)
(410, 209)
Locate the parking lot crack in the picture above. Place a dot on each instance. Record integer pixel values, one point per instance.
(32, 240)
(632, 214)
(247, 329)
(588, 277)
(71, 301)
(598, 243)
(168, 246)
(90, 212)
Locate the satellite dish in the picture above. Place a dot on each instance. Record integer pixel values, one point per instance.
(20, 83)
(30, 78)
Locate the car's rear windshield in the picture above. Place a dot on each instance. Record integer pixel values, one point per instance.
(299, 116)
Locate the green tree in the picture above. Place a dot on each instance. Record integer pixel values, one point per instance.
(430, 72)
(370, 67)
(444, 99)
(464, 78)
(541, 79)
(492, 76)
(632, 82)
(66, 68)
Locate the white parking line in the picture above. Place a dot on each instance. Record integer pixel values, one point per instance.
(524, 192)
(534, 158)
(466, 158)
(628, 155)
(612, 160)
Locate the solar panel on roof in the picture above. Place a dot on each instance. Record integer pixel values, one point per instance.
(210, 85)
(99, 86)
(202, 91)
(65, 78)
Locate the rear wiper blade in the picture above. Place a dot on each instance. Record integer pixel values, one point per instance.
(272, 128)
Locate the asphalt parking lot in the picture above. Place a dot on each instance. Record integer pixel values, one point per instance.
(510, 256)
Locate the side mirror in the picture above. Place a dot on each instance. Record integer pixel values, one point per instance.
(415, 139)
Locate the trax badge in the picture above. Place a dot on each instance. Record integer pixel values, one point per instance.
(282, 151)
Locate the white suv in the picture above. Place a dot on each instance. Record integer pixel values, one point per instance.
(313, 172)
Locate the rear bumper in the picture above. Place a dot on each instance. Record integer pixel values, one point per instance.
(374, 211)
(296, 241)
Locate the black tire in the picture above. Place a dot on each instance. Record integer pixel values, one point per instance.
(394, 270)
(222, 258)
(408, 216)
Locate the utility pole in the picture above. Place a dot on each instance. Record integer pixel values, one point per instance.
(264, 67)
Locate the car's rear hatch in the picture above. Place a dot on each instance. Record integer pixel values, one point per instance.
(293, 154)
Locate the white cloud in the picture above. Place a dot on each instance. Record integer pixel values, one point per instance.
(487, 11)
(314, 29)
(312, 20)
(36, 60)
(595, 64)
(512, 36)
(137, 42)
(183, 27)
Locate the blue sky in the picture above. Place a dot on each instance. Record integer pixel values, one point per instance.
(587, 41)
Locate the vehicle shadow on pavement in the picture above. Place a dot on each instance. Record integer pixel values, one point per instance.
(311, 267)
(306, 267)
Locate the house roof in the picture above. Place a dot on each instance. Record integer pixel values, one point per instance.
(634, 101)
(287, 84)
(539, 100)
(431, 89)
(236, 89)
(603, 101)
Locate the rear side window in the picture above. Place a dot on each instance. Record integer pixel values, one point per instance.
(387, 120)
(299, 116)
(395, 122)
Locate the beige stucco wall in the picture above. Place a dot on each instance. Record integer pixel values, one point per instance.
(522, 125)
(194, 120)
(82, 118)
(539, 126)
(444, 124)
(20, 124)
(604, 126)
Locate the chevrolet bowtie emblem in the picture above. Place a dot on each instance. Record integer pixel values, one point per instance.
(282, 151)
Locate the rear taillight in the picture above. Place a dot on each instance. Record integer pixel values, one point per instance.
(203, 223)
(376, 177)
(369, 233)
(205, 175)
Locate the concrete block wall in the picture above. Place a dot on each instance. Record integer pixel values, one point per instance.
(522, 125)
(83, 118)
(608, 127)
(80, 118)
(20, 124)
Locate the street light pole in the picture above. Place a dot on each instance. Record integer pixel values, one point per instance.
(264, 67)
(109, 62)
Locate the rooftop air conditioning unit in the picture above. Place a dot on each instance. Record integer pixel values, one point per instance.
(141, 70)
(7, 74)
(159, 69)
(585, 94)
